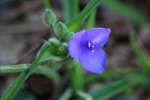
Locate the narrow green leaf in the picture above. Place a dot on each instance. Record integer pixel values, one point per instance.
(127, 97)
(44, 48)
(75, 7)
(143, 59)
(16, 85)
(49, 73)
(84, 96)
(71, 9)
(75, 24)
(41, 70)
(50, 58)
(13, 68)
(66, 95)
(91, 20)
(109, 90)
(67, 9)
(136, 79)
(106, 74)
(77, 77)
(126, 11)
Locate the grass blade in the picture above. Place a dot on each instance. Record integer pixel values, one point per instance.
(13, 68)
(109, 90)
(84, 96)
(75, 24)
(16, 85)
(91, 20)
(77, 74)
(143, 59)
(71, 9)
(66, 95)
(41, 70)
(126, 11)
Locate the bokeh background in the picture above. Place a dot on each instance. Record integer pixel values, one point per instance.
(22, 32)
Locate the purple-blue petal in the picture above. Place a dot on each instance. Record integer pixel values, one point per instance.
(74, 47)
(94, 61)
(99, 36)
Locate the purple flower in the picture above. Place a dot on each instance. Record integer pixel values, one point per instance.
(87, 47)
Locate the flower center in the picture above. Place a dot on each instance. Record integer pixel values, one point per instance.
(91, 46)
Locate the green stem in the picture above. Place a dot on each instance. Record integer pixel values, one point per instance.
(77, 74)
(14, 68)
(40, 70)
(16, 85)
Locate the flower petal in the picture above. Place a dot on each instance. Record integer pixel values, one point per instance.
(98, 36)
(74, 45)
(94, 61)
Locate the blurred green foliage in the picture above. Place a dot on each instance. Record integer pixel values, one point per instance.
(127, 11)
(55, 50)
(143, 59)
